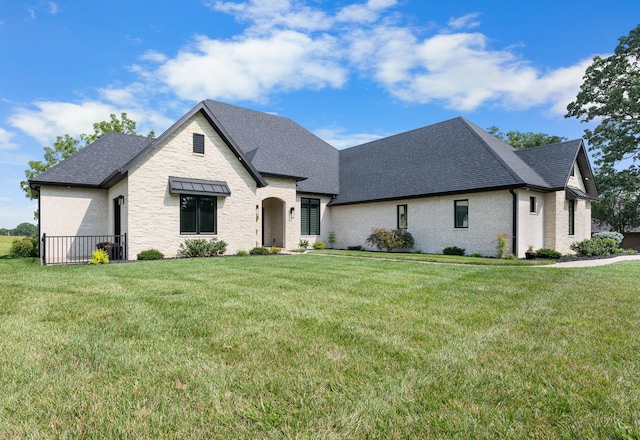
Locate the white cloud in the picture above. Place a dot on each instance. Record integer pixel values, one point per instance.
(364, 13)
(154, 56)
(340, 138)
(49, 119)
(268, 14)
(6, 140)
(467, 21)
(252, 67)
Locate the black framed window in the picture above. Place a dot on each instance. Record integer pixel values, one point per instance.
(198, 143)
(572, 217)
(198, 215)
(309, 216)
(461, 213)
(402, 217)
(532, 204)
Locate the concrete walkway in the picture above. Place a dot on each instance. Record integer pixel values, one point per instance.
(592, 263)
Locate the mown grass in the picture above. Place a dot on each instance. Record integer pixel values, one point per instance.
(434, 258)
(308, 346)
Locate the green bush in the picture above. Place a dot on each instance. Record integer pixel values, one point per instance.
(303, 244)
(615, 235)
(274, 250)
(99, 256)
(331, 239)
(24, 247)
(242, 253)
(548, 254)
(502, 244)
(200, 247)
(355, 248)
(453, 250)
(259, 251)
(319, 245)
(387, 239)
(592, 247)
(150, 254)
(476, 254)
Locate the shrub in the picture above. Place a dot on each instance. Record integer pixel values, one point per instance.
(24, 247)
(259, 251)
(319, 245)
(150, 254)
(615, 235)
(331, 239)
(200, 247)
(274, 250)
(476, 255)
(502, 244)
(510, 257)
(355, 248)
(592, 247)
(99, 256)
(303, 244)
(548, 254)
(242, 253)
(453, 250)
(387, 239)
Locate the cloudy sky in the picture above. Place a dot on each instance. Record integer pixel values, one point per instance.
(350, 71)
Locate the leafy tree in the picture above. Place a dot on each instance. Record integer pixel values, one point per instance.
(5, 231)
(25, 229)
(610, 94)
(620, 207)
(65, 146)
(521, 140)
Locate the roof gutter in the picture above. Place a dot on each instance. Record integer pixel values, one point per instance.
(514, 226)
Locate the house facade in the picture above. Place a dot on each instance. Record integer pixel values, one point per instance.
(255, 179)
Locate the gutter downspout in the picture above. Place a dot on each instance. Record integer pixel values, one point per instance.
(514, 225)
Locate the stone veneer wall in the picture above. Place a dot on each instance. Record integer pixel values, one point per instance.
(154, 213)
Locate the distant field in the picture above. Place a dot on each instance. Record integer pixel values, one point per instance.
(5, 244)
(310, 346)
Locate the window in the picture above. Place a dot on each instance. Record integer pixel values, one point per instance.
(198, 143)
(532, 205)
(572, 217)
(310, 216)
(402, 217)
(198, 215)
(461, 208)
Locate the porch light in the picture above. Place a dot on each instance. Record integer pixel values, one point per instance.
(292, 211)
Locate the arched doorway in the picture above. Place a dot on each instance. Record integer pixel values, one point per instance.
(273, 222)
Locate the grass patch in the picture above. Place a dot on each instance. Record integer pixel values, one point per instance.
(5, 244)
(434, 258)
(306, 346)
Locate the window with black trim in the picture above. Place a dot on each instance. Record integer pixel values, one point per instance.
(198, 215)
(402, 217)
(572, 217)
(532, 205)
(198, 143)
(309, 216)
(461, 213)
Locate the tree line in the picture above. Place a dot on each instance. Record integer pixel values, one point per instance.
(22, 230)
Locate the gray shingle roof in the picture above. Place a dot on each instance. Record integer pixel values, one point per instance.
(453, 156)
(278, 146)
(93, 165)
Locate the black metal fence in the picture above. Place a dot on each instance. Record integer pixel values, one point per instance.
(77, 249)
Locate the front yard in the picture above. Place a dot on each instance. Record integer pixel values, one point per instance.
(309, 346)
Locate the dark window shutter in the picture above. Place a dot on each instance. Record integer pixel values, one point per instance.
(198, 143)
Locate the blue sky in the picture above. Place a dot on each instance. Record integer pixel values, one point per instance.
(350, 71)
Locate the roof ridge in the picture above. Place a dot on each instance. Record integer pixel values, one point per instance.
(493, 152)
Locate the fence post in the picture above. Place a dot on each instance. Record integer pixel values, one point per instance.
(43, 249)
(126, 247)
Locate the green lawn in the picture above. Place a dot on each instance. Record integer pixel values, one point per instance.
(310, 346)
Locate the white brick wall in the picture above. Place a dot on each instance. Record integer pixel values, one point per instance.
(430, 221)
